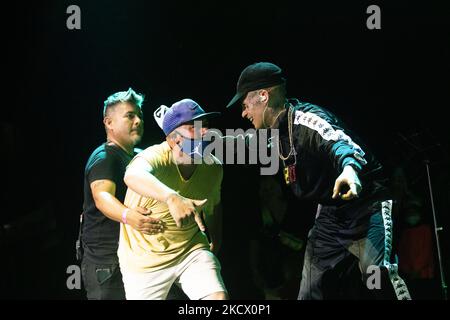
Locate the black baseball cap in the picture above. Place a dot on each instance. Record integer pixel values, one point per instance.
(256, 76)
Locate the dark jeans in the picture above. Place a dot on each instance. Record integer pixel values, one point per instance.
(364, 231)
(102, 281)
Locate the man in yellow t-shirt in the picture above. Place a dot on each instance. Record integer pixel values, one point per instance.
(185, 196)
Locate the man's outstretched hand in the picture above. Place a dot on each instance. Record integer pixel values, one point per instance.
(348, 179)
(184, 209)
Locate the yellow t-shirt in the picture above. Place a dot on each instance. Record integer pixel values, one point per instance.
(141, 252)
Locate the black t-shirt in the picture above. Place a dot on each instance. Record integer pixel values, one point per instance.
(100, 235)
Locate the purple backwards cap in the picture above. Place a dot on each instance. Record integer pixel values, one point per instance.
(184, 111)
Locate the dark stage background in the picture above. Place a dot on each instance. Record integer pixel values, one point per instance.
(391, 86)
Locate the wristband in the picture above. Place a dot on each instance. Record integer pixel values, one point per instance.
(124, 215)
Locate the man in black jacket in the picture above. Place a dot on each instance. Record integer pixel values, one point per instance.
(322, 163)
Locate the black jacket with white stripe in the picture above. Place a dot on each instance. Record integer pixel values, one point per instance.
(322, 149)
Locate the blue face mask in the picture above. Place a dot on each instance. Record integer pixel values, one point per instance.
(194, 147)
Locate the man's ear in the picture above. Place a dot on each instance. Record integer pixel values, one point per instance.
(107, 121)
(263, 96)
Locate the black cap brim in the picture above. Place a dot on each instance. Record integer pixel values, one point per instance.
(235, 99)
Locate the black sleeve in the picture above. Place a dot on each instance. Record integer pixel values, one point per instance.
(105, 167)
(321, 133)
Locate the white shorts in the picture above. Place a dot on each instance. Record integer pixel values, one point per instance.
(198, 275)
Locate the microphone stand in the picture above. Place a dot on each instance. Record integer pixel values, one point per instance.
(436, 233)
(437, 229)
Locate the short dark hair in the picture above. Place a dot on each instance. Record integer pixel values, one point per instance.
(129, 96)
(277, 96)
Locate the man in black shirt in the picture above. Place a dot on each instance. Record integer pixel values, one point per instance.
(104, 194)
(323, 164)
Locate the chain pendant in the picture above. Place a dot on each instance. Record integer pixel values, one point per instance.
(292, 174)
(289, 174)
(286, 175)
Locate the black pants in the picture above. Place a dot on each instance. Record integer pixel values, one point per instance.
(363, 230)
(102, 281)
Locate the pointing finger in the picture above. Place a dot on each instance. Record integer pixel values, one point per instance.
(199, 221)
